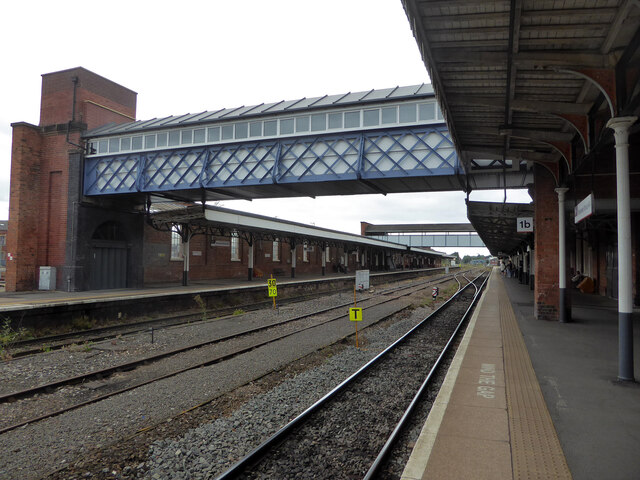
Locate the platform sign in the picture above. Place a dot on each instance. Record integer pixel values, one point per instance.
(584, 209)
(355, 314)
(273, 287)
(362, 280)
(524, 225)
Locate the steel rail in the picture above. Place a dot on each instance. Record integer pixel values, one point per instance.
(59, 341)
(126, 366)
(193, 367)
(253, 456)
(378, 462)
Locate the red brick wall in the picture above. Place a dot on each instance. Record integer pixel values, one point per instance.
(24, 208)
(546, 285)
(57, 99)
(213, 260)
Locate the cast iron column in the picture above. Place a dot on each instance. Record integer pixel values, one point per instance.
(185, 259)
(562, 254)
(324, 260)
(620, 126)
(250, 272)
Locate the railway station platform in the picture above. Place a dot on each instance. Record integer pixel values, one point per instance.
(526, 398)
(37, 308)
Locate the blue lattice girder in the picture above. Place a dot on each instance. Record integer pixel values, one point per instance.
(408, 153)
(375, 154)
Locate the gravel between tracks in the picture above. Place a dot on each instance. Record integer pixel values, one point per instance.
(208, 450)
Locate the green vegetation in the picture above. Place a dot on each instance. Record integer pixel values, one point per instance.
(478, 258)
(238, 311)
(82, 323)
(202, 305)
(8, 336)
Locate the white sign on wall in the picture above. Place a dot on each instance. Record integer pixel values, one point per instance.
(362, 279)
(524, 224)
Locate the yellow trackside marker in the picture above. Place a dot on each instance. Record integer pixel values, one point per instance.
(273, 289)
(355, 315)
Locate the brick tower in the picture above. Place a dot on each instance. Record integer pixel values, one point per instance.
(46, 163)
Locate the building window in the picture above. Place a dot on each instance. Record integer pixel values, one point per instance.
(242, 130)
(371, 117)
(276, 250)
(198, 135)
(235, 247)
(407, 113)
(177, 250)
(352, 119)
(174, 138)
(427, 111)
(286, 126)
(270, 128)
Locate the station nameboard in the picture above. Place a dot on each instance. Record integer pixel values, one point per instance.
(584, 209)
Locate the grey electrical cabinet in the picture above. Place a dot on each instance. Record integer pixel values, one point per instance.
(47, 278)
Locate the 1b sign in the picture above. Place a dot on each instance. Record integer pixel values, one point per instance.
(524, 225)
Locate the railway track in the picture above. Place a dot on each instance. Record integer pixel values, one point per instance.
(350, 431)
(44, 344)
(304, 322)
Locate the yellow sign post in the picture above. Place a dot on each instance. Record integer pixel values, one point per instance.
(355, 315)
(273, 289)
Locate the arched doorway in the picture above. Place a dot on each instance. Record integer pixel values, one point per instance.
(108, 257)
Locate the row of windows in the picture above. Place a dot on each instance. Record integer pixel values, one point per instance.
(177, 248)
(319, 122)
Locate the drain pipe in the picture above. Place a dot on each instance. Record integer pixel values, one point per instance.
(73, 113)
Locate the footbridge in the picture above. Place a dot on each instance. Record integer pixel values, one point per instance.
(425, 234)
(382, 141)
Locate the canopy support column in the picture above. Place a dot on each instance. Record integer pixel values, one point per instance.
(620, 126)
(562, 257)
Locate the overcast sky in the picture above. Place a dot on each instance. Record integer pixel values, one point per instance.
(190, 56)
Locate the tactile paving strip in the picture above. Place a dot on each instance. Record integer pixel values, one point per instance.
(535, 449)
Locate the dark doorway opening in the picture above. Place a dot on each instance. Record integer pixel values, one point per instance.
(108, 257)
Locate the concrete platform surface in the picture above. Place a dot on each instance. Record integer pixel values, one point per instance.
(596, 417)
(525, 398)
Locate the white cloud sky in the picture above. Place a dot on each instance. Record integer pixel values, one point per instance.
(191, 56)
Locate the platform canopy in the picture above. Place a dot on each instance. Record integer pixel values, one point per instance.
(514, 78)
(496, 223)
(190, 219)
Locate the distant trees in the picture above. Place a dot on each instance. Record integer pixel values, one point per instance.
(468, 258)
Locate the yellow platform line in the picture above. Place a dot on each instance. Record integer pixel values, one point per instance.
(535, 449)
